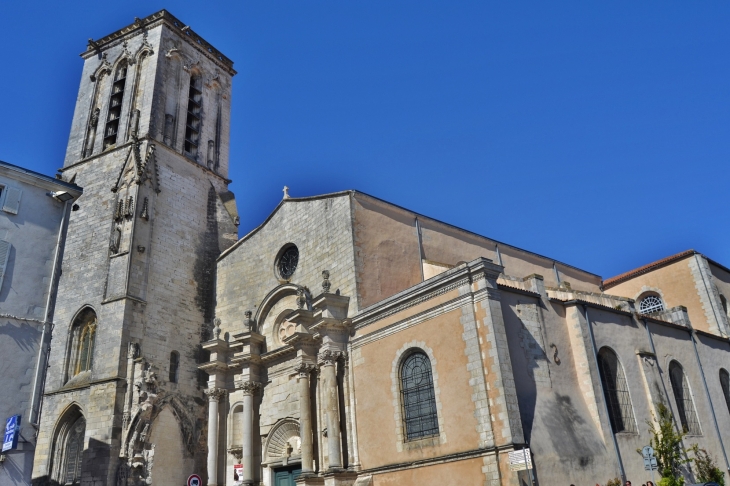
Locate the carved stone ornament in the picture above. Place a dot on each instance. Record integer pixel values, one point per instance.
(326, 285)
(94, 118)
(217, 327)
(301, 298)
(248, 322)
(215, 394)
(304, 369)
(329, 358)
(145, 209)
(249, 387)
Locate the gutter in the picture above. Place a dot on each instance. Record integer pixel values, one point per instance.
(39, 380)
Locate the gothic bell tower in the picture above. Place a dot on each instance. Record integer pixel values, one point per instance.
(149, 143)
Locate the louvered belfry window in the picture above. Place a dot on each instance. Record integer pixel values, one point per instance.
(420, 418)
(616, 391)
(115, 106)
(192, 122)
(683, 397)
(74, 451)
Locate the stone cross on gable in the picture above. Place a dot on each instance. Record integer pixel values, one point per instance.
(286, 192)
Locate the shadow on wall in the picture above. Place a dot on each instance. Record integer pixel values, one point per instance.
(573, 438)
(24, 335)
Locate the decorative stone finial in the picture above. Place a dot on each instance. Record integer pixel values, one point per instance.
(247, 321)
(286, 192)
(326, 281)
(217, 328)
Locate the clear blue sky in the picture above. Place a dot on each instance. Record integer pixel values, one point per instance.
(596, 133)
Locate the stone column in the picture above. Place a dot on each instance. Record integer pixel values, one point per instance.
(249, 389)
(328, 360)
(305, 419)
(214, 395)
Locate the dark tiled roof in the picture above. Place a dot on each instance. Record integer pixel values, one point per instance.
(610, 282)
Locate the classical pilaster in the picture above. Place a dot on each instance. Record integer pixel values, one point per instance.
(305, 419)
(249, 389)
(327, 362)
(214, 396)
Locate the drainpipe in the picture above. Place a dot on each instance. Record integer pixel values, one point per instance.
(707, 392)
(420, 247)
(603, 395)
(39, 380)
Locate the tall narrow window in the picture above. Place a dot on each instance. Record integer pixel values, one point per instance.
(417, 394)
(115, 106)
(616, 390)
(683, 397)
(82, 346)
(174, 365)
(725, 384)
(192, 123)
(73, 452)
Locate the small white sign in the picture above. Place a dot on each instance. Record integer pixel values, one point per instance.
(647, 451)
(520, 460)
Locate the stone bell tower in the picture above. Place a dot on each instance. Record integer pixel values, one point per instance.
(123, 401)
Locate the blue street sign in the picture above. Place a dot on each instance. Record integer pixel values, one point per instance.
(12, 430)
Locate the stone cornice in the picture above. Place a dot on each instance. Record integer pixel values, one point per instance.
(151, 21)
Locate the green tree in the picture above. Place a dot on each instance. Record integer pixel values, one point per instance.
(707, 470)
(667, 444)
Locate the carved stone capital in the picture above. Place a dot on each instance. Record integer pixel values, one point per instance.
(215, 394)
(249, 387)
(329, 358)
(304, 369)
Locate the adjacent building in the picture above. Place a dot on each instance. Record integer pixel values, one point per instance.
(346, 340)
(34, 211)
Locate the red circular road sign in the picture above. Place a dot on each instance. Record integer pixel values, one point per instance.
(194, 480)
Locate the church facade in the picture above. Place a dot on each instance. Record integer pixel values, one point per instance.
(346, 340)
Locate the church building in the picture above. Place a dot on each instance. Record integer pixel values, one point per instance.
(346, 340)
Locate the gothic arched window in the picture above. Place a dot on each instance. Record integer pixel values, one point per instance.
(73, 452)
(116, 97)
(192, 121)
(174, 366)
(616, 390)
(683, 397)
(725, 384)
(420, 418)
(83, 337)
(651, 303)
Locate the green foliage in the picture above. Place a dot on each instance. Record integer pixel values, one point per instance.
(707, 470)
(614, 482)
(667, 444)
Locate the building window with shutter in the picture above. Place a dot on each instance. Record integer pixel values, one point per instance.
(4, 256)
(116, 98)
(192, 121)
(10, 198)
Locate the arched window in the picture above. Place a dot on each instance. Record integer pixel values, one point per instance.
(420, 418)
(725, 384)
(73, 452)
(616, 390)
(174, 365)
(83, 336)
(651, 303)
(723, 301)
(683, 397)
(192, 121)
(116, 98)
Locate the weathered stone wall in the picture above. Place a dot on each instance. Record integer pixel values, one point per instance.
(321, 230)
(158, 288)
